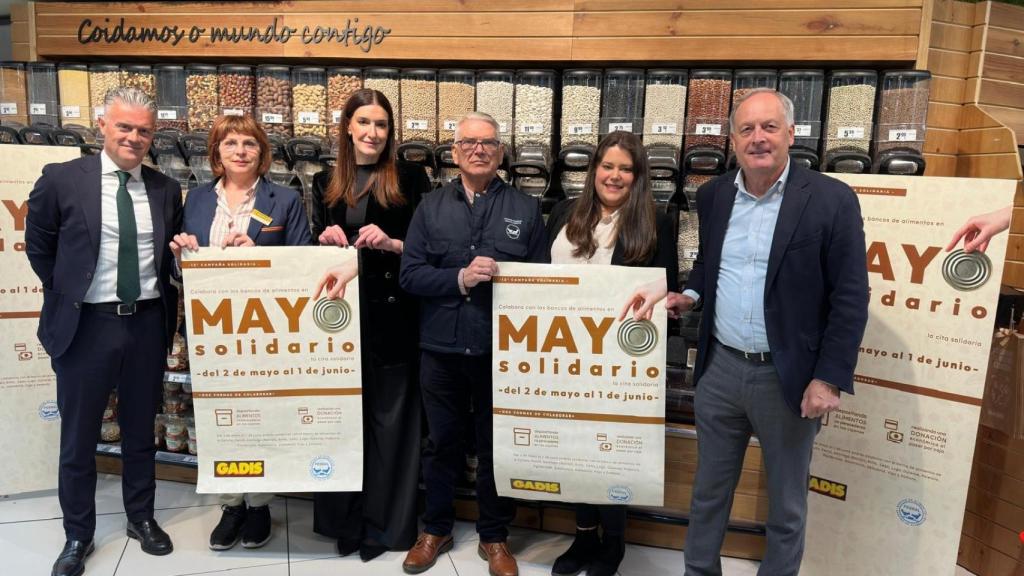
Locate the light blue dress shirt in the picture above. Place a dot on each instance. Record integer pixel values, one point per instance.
(739, 309)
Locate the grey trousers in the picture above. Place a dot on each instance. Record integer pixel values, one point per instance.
(735, 398)
(256, 499)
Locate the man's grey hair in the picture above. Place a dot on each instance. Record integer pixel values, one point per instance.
(787, 105)
(481, 116)
(129, 97)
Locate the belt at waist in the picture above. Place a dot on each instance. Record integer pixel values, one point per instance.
(122, 309)
(752, 357)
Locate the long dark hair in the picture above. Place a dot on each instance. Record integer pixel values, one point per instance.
(384, 180)
(636, 228)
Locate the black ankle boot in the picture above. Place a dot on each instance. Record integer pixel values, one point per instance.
(613, 549)
(584, 550)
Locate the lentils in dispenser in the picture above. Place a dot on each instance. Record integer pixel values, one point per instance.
(43, 99)
(419, 106)
(851, 107)
(274, 99)
(73, 82)
(707, 121)
(201, 96)
(139, 76)
(171, 100)
(534, 112)
(387, 82)
(806, 89)
(309, 101)
(495, 95)
(581, 107)
(622, 106)
(665, 110)
(13, 94)
(235, 86)
(341, 84)
(102, 79)
(902, 114)
(456, 97)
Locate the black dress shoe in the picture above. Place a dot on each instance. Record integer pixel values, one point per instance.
(154, 540)
(71, 561)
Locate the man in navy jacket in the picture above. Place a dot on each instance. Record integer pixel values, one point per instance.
(455, 241)
(97, 235)
(782, 277)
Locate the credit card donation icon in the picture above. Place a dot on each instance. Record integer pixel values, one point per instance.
(637, 338)
(331, 315)
(966, 271)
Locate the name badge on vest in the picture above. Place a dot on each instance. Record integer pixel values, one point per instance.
(261, 218)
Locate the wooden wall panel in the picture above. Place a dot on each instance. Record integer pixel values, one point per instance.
(1004, 41)
(532, 31)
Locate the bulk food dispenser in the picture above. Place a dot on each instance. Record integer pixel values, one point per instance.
(419, 118)
(664, 123)
(902, 114)
(456, 97)
(534, 116)
(806, 89)
(580, 128)
(851, 107)
(707, 122)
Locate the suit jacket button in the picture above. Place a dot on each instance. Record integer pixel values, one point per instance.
(88, 275)
(387, 275)
(392, 300)
(77, 305)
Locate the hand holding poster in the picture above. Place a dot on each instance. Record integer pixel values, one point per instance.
(276, 372)
(579, 396)
(29, 421)
(890, 471)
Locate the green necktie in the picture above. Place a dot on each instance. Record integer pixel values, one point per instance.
(128, 286)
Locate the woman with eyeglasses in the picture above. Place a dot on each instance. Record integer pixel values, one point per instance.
(367, 202)
(614, 221)
(241, 208)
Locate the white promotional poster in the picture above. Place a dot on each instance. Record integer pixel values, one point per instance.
(276, 371)
(891, 467)
(29, 420)
(579, 395)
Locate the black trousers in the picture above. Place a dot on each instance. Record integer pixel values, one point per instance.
(611, 517)
(449, 382)
(108, 351)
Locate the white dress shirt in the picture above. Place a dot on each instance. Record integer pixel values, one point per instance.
(104, 279)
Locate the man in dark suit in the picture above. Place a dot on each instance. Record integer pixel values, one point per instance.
(97, 236)
(782, 277)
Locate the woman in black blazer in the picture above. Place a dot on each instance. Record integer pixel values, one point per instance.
(367, 202)
(614, 221)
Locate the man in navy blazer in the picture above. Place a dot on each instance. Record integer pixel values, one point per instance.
(97, 236)
(782, 277)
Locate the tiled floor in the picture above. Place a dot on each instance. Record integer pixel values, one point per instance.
(31, 536)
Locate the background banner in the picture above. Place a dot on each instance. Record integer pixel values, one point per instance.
(579, 397)
(276, 373)
(29, 421)
(891, 467)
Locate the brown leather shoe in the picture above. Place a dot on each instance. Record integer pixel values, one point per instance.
(424, 553)
(500, 561)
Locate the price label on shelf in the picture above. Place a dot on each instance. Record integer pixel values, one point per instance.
(802, 130)
(502, 127)
(309, 117)
(691, 254)
(850, 133)
(416, 125)
(620, 126)
(708, 129)
(666, 128)
(167, 114)
(71, 111)
(233, 112)
(37, 109)
(271, 118)
(335, 116)
(579, 129)
(8, 108)
(531, 128)
(97, 113)
(902, 135)
(451, 125)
